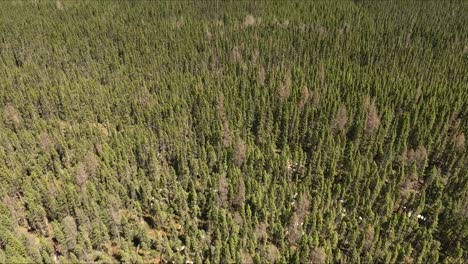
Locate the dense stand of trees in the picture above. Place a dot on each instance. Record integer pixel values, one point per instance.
(227, 131)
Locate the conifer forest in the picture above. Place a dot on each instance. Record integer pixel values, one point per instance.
(173, 131)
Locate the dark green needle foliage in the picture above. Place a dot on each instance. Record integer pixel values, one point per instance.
(233, 131)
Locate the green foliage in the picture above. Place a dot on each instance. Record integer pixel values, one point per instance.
(233, 131)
